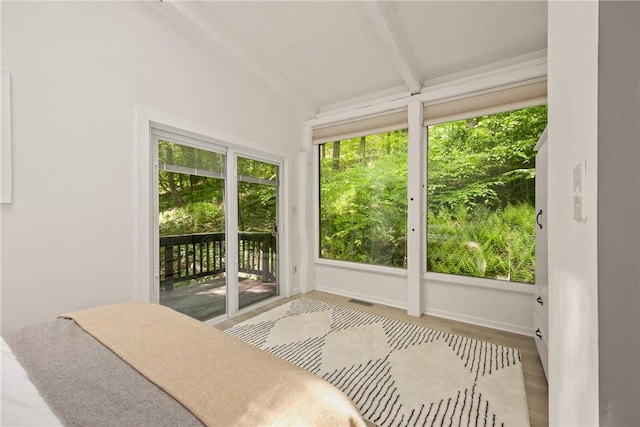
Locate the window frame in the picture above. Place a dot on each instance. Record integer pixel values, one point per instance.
(149, 122)
(417, 180)
(455, 278)
(350, 265)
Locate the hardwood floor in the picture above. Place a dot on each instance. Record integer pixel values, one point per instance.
(534, 378)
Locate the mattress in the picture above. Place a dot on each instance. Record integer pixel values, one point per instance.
(143, 364)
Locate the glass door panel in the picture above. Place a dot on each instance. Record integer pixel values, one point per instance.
(191, 222)
(257, 231)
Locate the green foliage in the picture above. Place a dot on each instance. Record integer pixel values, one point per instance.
(190, 203)
(194, 217)
(480, 193)
(488, 161)
(190, 157)
(363, 199)
(497, 244)
(257, 207)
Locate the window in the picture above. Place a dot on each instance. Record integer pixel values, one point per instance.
(480, 195)
(363, 199)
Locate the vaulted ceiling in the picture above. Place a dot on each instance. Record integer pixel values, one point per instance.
(327, 54)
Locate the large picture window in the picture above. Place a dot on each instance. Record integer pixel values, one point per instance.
(480, 193)
(363, 199)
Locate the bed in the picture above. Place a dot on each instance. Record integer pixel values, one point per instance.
(147, 365)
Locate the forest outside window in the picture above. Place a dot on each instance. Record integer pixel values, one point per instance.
(480, 193)
(363, 199)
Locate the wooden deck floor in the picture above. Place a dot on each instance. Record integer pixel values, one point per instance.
(207, 300)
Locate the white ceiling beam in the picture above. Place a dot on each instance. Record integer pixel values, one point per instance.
(198, 20)
(385, 24)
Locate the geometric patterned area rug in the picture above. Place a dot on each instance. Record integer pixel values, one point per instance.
(396, 373)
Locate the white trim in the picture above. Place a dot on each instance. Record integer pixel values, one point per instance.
(168, 123)
(494, 324)
(379, 123)
(416, 221)
(231, 233)
(369, 268)
(315, 212)
(305, 282)
(284, 222)
(529, 71)
(144, 242)
(526, 66)
(155, 220)
(6, 173)
(330, 118)
(188, 139)
(356, 134)
(144, 179)
(518, 105)
(542, 139)
(391, 94)
(306, 204)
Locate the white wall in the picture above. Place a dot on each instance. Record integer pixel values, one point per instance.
(380, 285)
(573, 276)
(79, 71)
(490, 303)
(500, 305)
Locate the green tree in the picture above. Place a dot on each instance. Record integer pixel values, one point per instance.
(481, 195)
(486, 161)
(363, 206)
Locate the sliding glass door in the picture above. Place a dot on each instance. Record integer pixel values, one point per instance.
(200, 271)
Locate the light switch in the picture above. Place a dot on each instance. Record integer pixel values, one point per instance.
(579, 181)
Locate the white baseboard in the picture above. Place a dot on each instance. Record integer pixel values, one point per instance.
(494, 324)
(363, 297)
(502, 326)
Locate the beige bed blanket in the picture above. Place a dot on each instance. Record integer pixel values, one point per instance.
(221, 380)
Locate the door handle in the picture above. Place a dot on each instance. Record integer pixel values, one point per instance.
(538, 333)
(540, 301)
(538, 219)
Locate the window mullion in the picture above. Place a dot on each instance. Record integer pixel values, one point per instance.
(416, 224)
(231, 203)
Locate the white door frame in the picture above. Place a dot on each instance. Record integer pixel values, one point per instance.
(147, 284)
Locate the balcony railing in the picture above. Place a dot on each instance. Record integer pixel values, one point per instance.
(191, 256)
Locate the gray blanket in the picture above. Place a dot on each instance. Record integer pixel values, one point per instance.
(86, 384)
